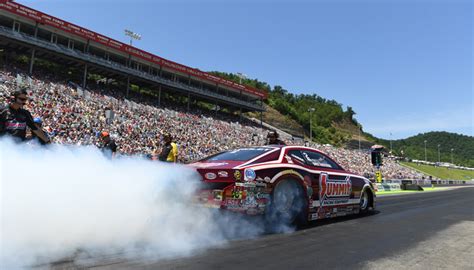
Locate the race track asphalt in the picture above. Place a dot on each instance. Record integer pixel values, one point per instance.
(432, 230)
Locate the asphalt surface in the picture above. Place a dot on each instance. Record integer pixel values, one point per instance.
(432, 230)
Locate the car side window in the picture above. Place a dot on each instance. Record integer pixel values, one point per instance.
(297, 156)
(319, 160)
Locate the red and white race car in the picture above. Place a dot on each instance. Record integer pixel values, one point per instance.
(285, 183)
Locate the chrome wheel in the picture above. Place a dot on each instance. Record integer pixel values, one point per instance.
(364, 202)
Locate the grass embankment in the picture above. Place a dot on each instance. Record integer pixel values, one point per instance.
(441, 172)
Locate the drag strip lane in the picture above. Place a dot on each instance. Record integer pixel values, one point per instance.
(405, 232)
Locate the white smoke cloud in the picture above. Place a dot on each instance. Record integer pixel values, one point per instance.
(58, 200)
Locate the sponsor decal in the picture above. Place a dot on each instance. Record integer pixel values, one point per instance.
(232, 203)
(210, 176)
(207, 165)
(223, 174)
(237, 175)
(334, 188)
(237, 194)
(246, 185)
(249, 175)
(250, 201)
(217, 194)
(332, 192)
(267, 179)
(309, 189)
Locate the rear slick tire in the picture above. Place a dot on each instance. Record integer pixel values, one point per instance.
(287, 206)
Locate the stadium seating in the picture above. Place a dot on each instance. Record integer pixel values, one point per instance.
(73, 115)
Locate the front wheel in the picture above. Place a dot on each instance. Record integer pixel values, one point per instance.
(365, 201)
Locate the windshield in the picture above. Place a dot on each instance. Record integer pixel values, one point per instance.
(241, 154)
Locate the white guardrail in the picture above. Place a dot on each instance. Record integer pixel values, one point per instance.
(393, 185)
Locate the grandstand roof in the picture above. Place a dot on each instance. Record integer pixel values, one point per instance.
(118, 46)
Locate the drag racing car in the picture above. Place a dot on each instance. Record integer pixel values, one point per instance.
(284, 183)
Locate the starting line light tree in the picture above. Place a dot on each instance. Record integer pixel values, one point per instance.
(376, 158)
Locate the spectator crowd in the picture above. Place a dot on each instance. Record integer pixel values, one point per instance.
(72, 115)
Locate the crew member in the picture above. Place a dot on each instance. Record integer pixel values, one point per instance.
(108, 145)
(169, 151)
(272, 138)
(14, 119)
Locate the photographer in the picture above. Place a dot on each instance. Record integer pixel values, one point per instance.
(14, 119)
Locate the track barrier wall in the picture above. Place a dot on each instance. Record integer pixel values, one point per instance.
(404, 184)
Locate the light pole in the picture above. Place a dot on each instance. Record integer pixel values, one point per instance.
(390, 143)
(241, 76)
(425, 150)
(439, 156)
(311, 110)
(359, 137)
(452, 149)
(132, 35)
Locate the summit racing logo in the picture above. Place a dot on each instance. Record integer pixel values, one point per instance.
(332, 193)
(334, 189)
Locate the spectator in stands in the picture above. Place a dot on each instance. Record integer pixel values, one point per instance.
(73, 115)
(108, 145)
(14, 119)
(273, 138)
(169, 151)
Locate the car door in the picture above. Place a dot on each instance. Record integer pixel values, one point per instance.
(295, 156)
(334, 188)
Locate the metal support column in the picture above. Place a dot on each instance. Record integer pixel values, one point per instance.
(84, 78)
(32, 61)
(189, 100)
(86, 48)
(159, 96)
(36, 30)
(240, 114)
(33, 52)
(128, 85)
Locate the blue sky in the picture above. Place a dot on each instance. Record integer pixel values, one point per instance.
(405, 67)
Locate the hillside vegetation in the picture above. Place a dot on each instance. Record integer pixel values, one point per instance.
(414, 147)
(328, 117)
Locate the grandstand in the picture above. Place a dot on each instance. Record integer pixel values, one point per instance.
(75, 110)
(24, 30)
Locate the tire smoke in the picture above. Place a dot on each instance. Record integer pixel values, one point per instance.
(61, 199)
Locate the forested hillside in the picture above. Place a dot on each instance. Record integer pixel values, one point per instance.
(414, 147)
(327, 116)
